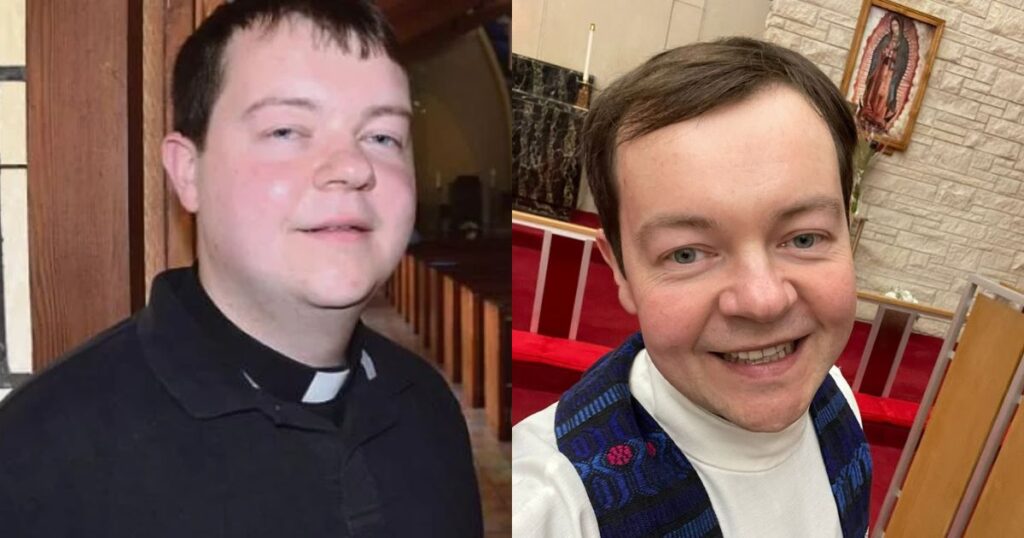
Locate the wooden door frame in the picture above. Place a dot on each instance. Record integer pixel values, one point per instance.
(169, 230)
(102, 222)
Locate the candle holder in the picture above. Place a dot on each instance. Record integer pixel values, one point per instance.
(583, 95)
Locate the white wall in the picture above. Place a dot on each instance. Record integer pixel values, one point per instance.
(14, 230)
(628, 32)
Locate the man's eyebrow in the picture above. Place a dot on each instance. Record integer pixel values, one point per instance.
(387, 110)
(313, 106)
(674, 221)
(680, 221)
(818, 203)
(298, 102)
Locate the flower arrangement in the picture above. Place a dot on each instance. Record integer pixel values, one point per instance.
(901, 294)
(863, 156)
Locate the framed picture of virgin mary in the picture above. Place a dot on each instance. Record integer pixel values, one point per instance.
(888, 67)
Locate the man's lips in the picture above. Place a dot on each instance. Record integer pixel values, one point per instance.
(338, 231)
(759, 354)
(334, 226)
(352, 229)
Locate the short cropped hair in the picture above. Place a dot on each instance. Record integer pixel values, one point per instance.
(199, 66)
(683, 83)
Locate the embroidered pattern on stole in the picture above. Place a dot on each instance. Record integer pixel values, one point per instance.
(641, 484)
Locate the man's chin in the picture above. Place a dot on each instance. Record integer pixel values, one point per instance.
(341, 299)
(769, 426)
(768, 418)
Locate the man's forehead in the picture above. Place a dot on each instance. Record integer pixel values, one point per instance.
(769, 154)
(253, 55)
(769, 114)
(299, 27)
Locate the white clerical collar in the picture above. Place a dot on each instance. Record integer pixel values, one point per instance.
(326, 384)
(704, 436)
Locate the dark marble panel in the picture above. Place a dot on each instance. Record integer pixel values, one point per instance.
(545, 80)
(545, 161)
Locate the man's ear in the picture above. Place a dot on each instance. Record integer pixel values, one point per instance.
(181, 161)
(625, 293)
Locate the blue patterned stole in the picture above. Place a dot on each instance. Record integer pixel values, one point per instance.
(641, 484)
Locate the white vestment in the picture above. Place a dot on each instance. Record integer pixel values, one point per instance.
(761, 485)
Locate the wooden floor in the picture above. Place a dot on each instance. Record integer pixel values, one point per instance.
(492, 457)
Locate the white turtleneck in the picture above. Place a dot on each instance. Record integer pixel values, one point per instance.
(760, 484)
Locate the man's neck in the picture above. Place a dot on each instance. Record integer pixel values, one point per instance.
(316, 337)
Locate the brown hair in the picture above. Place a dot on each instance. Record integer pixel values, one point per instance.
(683, 83)
(199, 66)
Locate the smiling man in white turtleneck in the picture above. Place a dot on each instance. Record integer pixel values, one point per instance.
(721, 173)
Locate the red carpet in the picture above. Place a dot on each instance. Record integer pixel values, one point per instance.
(536, 382)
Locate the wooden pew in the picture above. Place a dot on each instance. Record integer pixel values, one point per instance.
(461, 297)
(497, 367)
(432, 333)
(452, 337)
(953, 446)
(472, 298)
(433, 260)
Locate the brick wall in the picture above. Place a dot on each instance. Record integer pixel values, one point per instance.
(953, 203)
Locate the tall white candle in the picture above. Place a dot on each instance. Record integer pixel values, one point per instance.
(590, 45)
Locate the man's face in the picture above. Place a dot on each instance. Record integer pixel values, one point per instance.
(305, 191)
(737, 256)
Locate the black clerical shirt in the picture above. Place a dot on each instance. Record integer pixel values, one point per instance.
(266, 368)
(152, 429)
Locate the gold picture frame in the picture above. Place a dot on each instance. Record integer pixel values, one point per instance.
(888, 67)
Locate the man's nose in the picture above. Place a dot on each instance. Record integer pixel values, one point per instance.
(757, 291)
(345, 167)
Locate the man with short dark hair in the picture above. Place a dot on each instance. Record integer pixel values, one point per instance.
(247, 399)
(721, 173)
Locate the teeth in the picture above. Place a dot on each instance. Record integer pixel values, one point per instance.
(760, 356)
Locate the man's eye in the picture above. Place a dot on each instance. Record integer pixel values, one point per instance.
(385, 140)
(686, 255)
(805, 241)
(283, 133)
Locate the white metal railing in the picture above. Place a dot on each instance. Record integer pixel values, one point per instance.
(552, 227)
(975, 284)
(910, 312)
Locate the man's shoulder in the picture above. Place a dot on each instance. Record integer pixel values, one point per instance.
(77, 383)
(535, 434)
(548, 497)
(391, 359)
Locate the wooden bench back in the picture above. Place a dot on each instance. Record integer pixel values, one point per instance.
(975, 384)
